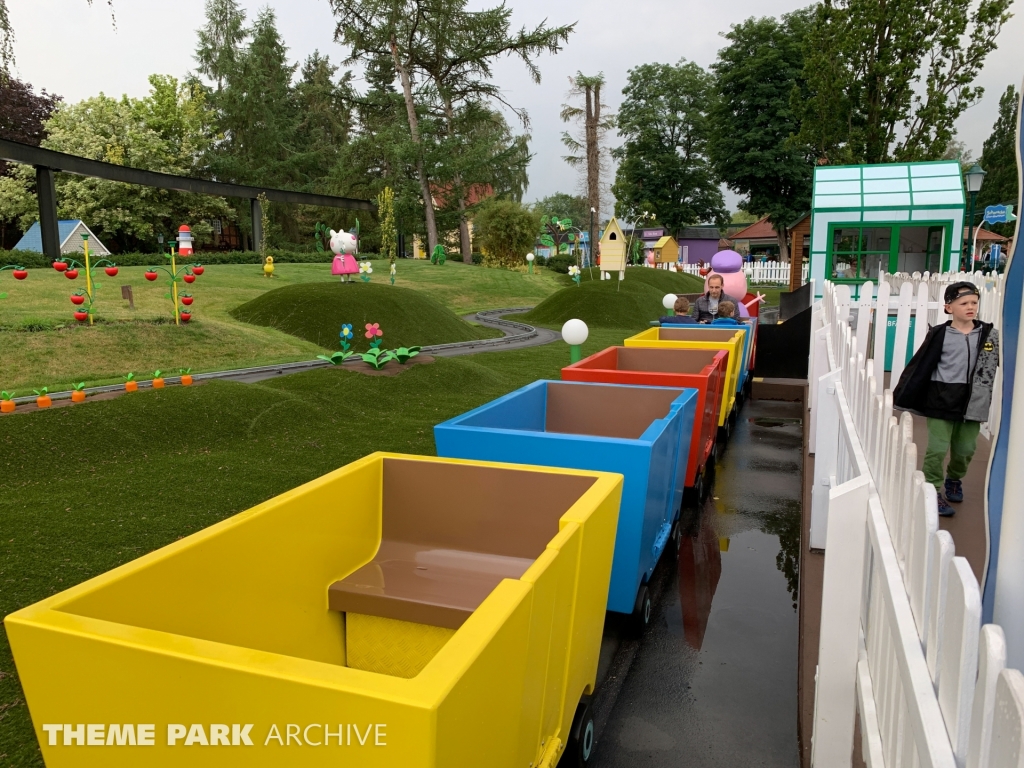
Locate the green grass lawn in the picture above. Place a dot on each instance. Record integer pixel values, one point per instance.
(42, 345)
(86, 488)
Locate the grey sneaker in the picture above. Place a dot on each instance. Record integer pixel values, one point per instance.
(944, 509)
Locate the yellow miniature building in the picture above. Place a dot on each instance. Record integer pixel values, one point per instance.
(613, 250)
(666, 251)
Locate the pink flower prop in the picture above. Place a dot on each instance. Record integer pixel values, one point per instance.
(373, 329)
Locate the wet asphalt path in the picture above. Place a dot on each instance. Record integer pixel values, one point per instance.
(713, 680)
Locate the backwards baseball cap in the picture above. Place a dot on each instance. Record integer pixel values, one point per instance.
(955, 291)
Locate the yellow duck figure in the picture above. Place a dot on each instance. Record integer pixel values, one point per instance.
(268, 267)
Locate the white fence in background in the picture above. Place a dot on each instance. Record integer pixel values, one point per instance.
(767, 272)
(760, 273)
(901, 645)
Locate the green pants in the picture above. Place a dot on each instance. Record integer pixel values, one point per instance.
(959, 439)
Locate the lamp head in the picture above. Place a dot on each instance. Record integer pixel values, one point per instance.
(975, 176)
(669, 301)
(530, 257)
(575, 332)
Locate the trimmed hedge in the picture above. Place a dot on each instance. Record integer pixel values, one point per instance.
(35, 260)
(561, 262)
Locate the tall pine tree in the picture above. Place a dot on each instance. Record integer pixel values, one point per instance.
(999, 159)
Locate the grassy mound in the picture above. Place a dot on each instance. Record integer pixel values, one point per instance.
(316, 311)
(600, 305)
(663, 280)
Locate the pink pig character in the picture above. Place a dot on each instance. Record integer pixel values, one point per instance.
(345, 246)
(729, 266)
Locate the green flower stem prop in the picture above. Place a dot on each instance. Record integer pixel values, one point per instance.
(346, 348)
(378, 358)
(405, 354)
(18, 268)
(323, 237)
(175, 275)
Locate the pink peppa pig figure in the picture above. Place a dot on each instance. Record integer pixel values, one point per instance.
(345, 245)
(729, 266)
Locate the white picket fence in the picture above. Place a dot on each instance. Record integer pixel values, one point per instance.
(760, 273)
(768, 272)
(901, 644)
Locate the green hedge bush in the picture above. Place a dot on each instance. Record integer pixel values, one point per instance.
(560, 263)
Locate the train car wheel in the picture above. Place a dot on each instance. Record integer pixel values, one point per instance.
(707, 478)
(642, 609)
(581, 739)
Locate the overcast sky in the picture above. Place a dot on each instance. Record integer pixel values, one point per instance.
(72, 49)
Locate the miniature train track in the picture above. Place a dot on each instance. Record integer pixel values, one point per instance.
(518, 335)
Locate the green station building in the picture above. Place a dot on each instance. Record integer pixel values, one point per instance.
(894, 217)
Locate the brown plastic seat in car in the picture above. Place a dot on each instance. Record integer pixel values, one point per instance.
(450, 534)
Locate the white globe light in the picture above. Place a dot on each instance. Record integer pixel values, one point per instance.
(669, 302)
(529, 257)
(575, 332)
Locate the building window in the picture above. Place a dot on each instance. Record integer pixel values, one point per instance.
(860, 253)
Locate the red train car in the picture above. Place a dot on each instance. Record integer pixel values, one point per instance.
(702, 369)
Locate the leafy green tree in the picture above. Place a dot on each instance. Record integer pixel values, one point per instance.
(576, 208)
(663, 161)
(753, 120)
(587, 146)
(168, 131)
(507, 230)
(864, 101)
(23, 114)
(442, 54)
(999, 158)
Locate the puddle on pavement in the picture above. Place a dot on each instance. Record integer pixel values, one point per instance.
(714, 680)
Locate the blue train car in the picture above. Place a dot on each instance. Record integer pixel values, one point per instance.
(641, 432)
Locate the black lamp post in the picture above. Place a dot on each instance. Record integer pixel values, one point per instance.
(974, 177)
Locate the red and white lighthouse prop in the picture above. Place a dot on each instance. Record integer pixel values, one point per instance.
(184, 240)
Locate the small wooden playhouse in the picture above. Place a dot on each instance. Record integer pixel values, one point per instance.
(613, 250)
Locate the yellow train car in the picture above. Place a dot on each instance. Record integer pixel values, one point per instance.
(399, 611)
(729, 339)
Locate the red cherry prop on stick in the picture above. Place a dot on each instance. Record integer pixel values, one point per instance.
(19, 274)
(186, 300)
(111, 271)
(185, 316)
(77, 299)
(60, 266)
(151, 276)
(71, 274)
(199, 270)
(81, 315)
(190, 278)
